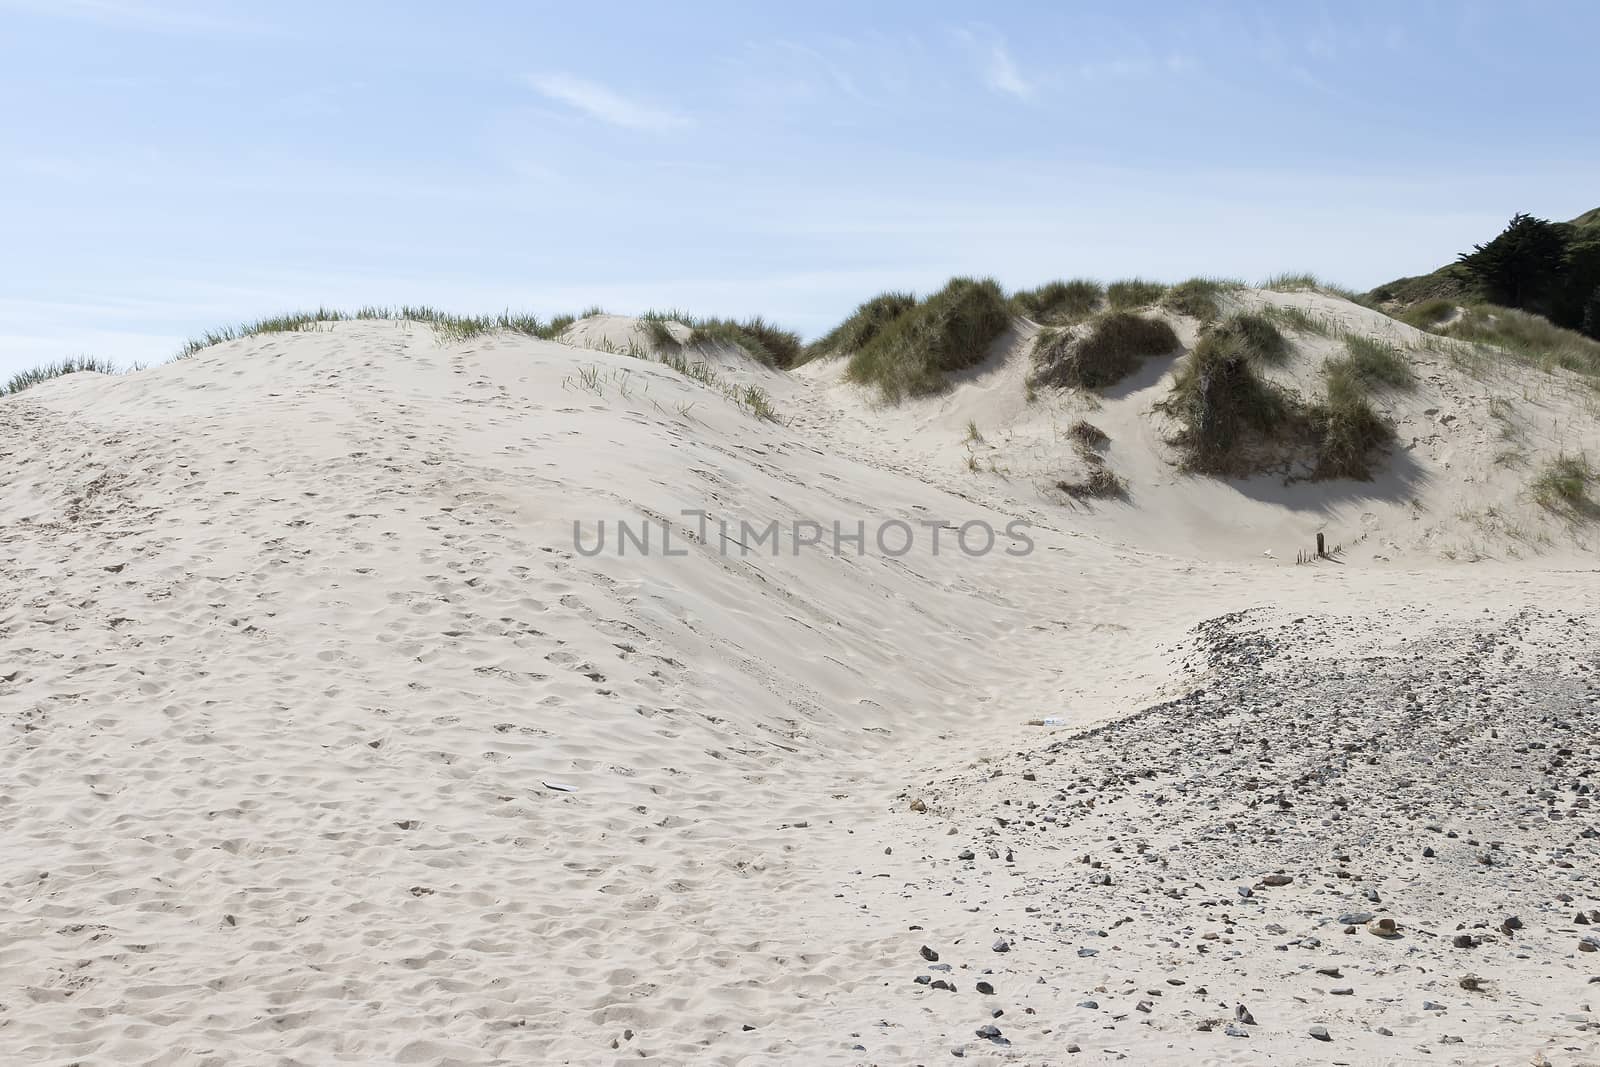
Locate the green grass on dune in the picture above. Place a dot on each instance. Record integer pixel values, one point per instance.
(1199, 298)
(449, 326)
(1110, 348)
(1132, 293)
(1059, 303)
(1349, 432)
(1527, 338)
(767, 343)
(1233, 421)
(917, 350)
(865, 323)
(1223, 406)
(72, 365)
(1304, 281)
(1372, 363)
(1250, 335)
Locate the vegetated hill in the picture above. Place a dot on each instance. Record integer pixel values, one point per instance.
(1271, 415)
(1545, 268)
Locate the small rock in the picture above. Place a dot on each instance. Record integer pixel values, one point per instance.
(1235, 1030)
(1464, 941)
(918, 805)
(1242, 1014)
(1001, 945)
(1277, 879)
(1090, 1004)
(985, 988)
(1144, 1006)
(1384, 927)
(929, 955)
(1320, 1033)
(989, 1030)
(964, 854)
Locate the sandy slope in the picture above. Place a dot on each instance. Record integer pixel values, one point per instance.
(295, 646)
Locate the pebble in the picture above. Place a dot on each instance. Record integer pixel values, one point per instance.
(1320, 1033)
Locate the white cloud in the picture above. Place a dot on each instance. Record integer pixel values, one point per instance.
(599, 102)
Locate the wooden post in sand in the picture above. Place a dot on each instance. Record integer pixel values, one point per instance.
(1320, 551)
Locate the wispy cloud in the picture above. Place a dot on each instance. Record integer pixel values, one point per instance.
(605, 104)
(998, 70)
(1002, 74)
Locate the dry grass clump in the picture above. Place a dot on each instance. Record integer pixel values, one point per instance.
(1113, 347)
(1563, 486)
(1098, 482)
(71, 365)
(917, 350)
(864, 324)
(1086, 434)
(1060, 303)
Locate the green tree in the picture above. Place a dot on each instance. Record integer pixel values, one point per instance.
(1520, 268)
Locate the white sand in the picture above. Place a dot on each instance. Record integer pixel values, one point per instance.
(293, 636)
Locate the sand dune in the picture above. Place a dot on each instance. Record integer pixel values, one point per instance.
(330, 744)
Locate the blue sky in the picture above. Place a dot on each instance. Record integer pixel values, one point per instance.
(168, 166)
